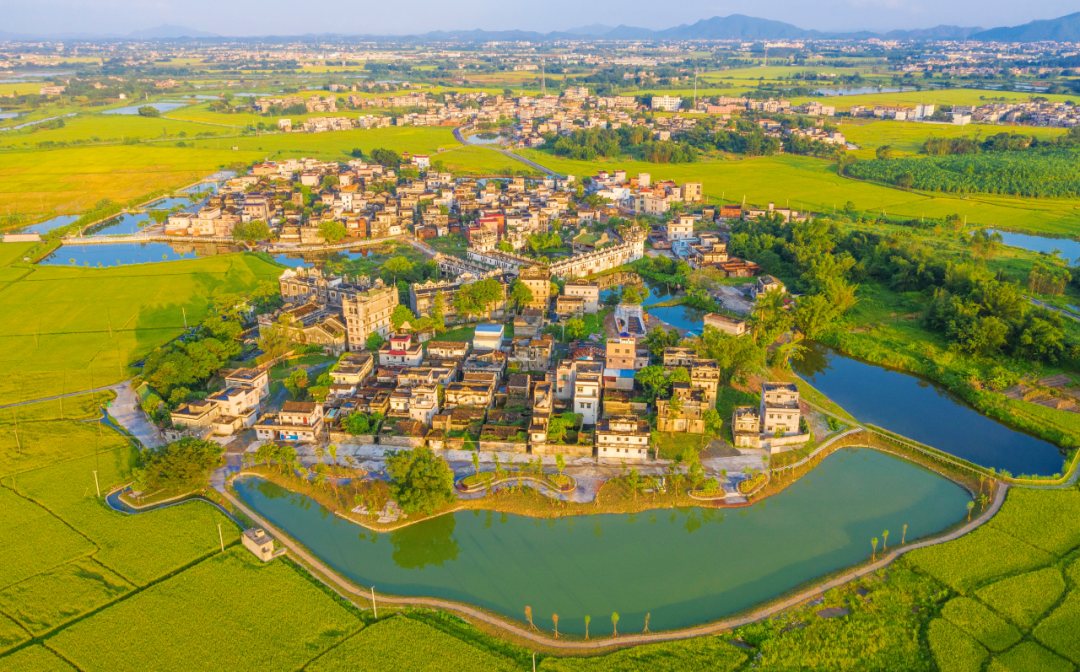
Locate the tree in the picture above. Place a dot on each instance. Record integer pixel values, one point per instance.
(970, 506)
(555, 618)
(332, 449)
(419, 480)
(587, 619)
(149, 111)
(634, 294)
(252, 232)
(520, 294)
(874, 542)
(397, 266)
(438, 310)
(654, 381)
(884, 541)
(615, 624)
(400, 316)
(560, 463)
(883, 152)
(374, 341)
(713, 422)
(184, 464)
(476, 462)
(297, 383)
(575, 328)
(814, 314)
(332, 231)
(358, 423)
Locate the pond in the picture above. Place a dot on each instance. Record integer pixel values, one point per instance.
(121, 254)
(49, 224)
(1069, 248)
(122, 224)
(35, 122)
(920, 410)
(486, 139)
(134, 109)
(310, 259)
(861, 90)
(682, 317)
(684, 566)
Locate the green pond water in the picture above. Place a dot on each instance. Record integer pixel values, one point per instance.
(682, 566)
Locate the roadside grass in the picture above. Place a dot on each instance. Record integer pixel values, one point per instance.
(953, 650)
(1024, 599)
(140, 548)
(34, 659)
(721, 656)
(401, 643)
(225, 613)
(69, 329)
(53, 598)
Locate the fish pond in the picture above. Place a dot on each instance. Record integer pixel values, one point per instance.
(920, 410)
(681, 566)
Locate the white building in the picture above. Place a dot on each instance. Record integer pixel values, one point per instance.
(666, 103)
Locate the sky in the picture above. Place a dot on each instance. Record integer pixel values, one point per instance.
(287, 17)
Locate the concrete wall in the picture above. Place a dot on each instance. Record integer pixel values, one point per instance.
(566, 450)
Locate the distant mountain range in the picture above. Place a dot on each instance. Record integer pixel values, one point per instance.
(734, 27)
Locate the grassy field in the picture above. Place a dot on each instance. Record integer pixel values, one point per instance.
(804, 182)
(107, 128)
(68, 329)
(907, 138)
(70, 180)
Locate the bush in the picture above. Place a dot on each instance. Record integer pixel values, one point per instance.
(953, 650)
(1024, 599)
(981, 623)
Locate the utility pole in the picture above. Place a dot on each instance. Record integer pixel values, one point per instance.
(96, 486)
(184, 311)
(543, 78)
(374, 607)
(220, 537)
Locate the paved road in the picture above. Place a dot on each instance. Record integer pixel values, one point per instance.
(127, 412)
(622, 640)
(1061, 311)
(462, 139)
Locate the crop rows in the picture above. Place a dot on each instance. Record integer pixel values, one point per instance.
(404, 644)
(976, 558)
(1044, 519)
(35, 540)
(1029, 657)
(1042, 174)
(981, 623)
(1061, 629)
(230, 612)
(1025, 599)
(953, 650)
(53, 598)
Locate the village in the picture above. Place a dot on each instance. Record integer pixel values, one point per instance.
(510, 384)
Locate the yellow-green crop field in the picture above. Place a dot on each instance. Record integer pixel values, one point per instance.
(935, 96)
(71, 179)
(337, 145)
(68, 329)
(907, 138)
(107, 128)
(805, 182)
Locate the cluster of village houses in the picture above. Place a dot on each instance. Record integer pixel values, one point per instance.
(487, 213)
(503, 391)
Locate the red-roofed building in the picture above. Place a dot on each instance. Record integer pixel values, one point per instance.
(401, 349)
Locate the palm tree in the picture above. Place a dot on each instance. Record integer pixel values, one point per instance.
(885, 541)
(983, 499)
(646, 622)
(332, 449)
(587, 619)
(874, 542)
(555, 617)
(904, 535)
(615, 623)
(528, 617)
(476, 462)
(970, 506)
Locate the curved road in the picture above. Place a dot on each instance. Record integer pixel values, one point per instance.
(505, 152)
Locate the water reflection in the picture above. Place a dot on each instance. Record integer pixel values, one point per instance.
(418, 546)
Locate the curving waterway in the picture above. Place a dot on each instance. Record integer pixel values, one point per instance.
(920, 410)
(684, 566)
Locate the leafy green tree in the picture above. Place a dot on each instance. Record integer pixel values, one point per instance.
(713, 422)
(358, 423)
(297, 384)
(400, 316)
(332, 231)
(420, 480)
(634, 294)
(374, 341)
(183, 464)
(397, 266)
(575, 328)
(438, 310)
(883, 152)
(654, 381)
(520, 294)
(814, 314)
(253, 232)
(737, 357)
(149, 111)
